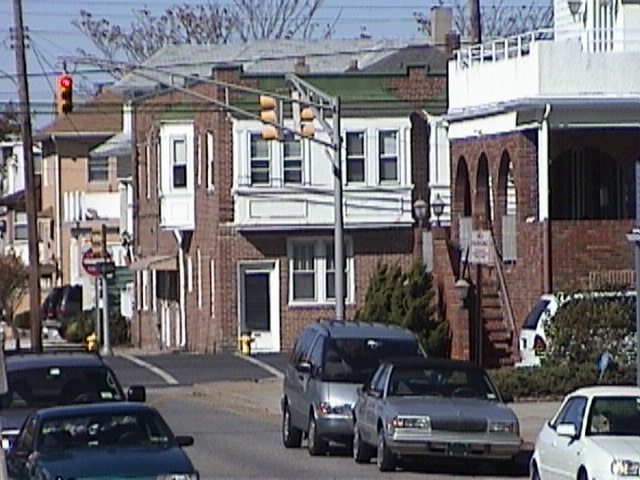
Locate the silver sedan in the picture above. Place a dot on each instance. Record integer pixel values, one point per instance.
(432, 407)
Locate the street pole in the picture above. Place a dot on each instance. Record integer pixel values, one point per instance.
(106, 343)
(338, 213)
(29, 182)
(633, 237)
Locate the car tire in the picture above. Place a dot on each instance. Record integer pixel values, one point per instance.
(386, 460)
(291, 436)
(362, 452)
(315, 444)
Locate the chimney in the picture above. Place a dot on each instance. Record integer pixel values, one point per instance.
(441, 23)
(353, 66)
(301, 66)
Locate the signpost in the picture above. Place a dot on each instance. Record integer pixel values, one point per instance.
(480, 253)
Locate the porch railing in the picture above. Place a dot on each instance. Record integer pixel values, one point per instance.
(504, 292)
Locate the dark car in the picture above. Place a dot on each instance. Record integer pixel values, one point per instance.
(49, 307)
(101, 440)
(70, 303)
(38, 380)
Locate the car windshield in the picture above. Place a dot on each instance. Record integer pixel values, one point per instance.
(614, 416)
(44, 387)
(531, 322)
(103, 430)
(353, 360)
(442, 381)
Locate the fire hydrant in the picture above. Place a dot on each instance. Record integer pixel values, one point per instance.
(91, 342)
(244, 343)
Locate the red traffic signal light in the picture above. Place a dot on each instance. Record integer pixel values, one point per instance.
(65, 94)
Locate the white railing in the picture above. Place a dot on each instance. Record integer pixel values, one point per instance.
(501, 49)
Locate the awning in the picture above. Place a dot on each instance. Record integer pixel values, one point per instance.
(155, 262)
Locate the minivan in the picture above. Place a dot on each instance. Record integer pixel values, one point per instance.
(533, 339)
(329, 361)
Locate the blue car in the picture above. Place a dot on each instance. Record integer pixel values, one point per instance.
(99, 440)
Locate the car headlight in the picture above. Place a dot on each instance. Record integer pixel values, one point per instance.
(504, 427)
(411, 421)
(625, 467)
(325, 408)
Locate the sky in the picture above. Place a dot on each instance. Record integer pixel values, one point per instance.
(51, 35)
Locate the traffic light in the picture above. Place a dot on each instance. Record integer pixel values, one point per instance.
(270, 115)
(65, 94)
(306, 122)
(97, 245)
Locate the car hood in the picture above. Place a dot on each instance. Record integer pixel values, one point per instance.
(619, 447)
(115, 462)
(342, 393)
(450, 407)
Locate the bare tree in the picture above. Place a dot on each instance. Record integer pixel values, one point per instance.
(498, 20)
(14, 284)
(201, 24)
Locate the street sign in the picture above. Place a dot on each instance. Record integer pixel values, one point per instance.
(480, 252)
(97, 266)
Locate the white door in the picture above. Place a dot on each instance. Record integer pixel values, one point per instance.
(260, 305)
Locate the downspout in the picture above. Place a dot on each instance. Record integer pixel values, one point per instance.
(543, 182)
(181, 332)
(58, 208)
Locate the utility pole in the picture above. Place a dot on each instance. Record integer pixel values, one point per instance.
(106, 344)
(476, 25)
(29, 181)
(320, 102)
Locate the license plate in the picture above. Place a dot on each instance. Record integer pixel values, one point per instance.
(457, 449)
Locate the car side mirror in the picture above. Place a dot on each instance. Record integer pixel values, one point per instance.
(184, 440)
(566, 430)
(374, 392)
(304, 366)
(137, 393)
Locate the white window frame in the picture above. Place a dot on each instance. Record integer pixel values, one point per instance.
(320, 246)
(154, 292)
(299, 159)
(199, 283)
(178, 163)
(189, 274)
(98, 169)
(388, 157)
(210, 159)
(145, 290)
(212, 269)
(20, 224)
(199, 139)
(252, 160)
(349, 159)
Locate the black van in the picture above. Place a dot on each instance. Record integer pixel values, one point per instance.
(70, 303)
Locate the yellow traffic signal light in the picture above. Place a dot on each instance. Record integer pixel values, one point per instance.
(306, 122)
(97, 242)
(270, 115)
(65, 94)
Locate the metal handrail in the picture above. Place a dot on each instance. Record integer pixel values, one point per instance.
(504, 291)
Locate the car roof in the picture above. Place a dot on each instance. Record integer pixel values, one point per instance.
(22, 360)
(431, 362)
(94, 409)
(607, 390)
(354, 329)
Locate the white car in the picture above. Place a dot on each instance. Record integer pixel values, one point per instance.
(594, 435)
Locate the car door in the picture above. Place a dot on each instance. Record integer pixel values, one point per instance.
(18, 457)
(562, 454)
(296, 378)
(373, 405)
(362, 406)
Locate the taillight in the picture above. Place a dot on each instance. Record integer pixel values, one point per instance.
(539, 345)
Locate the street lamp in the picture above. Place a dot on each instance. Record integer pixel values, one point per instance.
(420, 210)
(438, 208)
(462, 291)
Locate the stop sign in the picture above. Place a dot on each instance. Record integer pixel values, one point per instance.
(90, 264)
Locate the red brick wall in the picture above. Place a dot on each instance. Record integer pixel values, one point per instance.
(581, 247)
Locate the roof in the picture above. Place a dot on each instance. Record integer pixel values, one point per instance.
(94, 408)
(608, 390)
(350, 329)
(259, 57)
(116, 146)
(102, 114)
(432, 59)
(22, 361)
